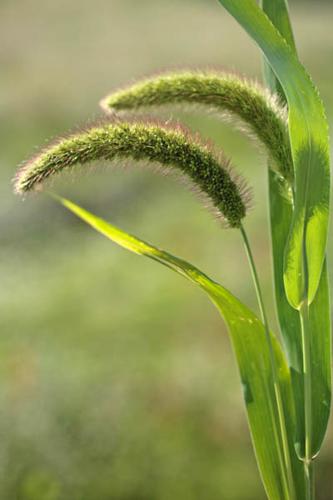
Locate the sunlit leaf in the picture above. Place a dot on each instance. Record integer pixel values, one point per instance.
(309, 141)
(250, 346)
(281, 217)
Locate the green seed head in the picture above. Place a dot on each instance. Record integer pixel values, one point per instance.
(166, 146)
(259, 110)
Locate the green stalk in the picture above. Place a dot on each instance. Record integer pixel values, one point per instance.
(306, 347)
(307, 372)
(283, 438)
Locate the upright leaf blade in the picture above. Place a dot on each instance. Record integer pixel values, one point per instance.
(309, 140)
(281, 217)
(252, 354)
(277, 11)
(281, 212)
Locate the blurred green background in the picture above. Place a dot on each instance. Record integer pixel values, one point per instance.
(117, 377)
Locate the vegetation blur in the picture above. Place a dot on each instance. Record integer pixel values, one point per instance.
(117, 377)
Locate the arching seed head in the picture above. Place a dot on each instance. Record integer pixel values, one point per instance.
(172, 148)
(256, 107)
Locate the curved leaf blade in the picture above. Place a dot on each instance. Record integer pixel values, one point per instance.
(281, 215)
(250, 346)
(309, 140)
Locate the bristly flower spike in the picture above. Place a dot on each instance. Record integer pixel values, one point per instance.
(257, 108)
(161, 144)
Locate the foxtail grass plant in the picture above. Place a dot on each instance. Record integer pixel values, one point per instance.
(286, 378)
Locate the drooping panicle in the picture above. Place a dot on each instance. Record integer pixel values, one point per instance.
(257, 108)
(164, 145)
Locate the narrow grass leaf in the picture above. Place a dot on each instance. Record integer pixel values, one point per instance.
(250, 346)
(309, 140)
(277, 11)
(281, 212)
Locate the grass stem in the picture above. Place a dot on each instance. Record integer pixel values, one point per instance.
(286, 469)
(306, 348)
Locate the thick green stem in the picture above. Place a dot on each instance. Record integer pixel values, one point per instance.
(306, 347)
(286, 469)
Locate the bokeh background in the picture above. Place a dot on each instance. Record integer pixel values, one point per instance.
(117, 376)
